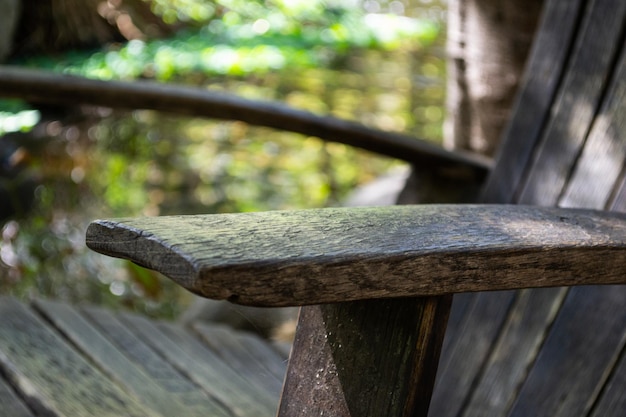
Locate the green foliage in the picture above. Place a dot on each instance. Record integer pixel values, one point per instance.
(242, 38)
(16, 116)
(173, 11)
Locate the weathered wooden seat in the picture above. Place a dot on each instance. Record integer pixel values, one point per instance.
(542, 352)
(554, 351)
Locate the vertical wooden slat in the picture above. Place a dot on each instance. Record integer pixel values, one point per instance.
(467, 347)
(365, 358)
(10, 404)
(160, 371)
(543, 75)
(518, 342)
(618, 202)
(577, 103)
(578, 355)
(603, 157)
(612, 400)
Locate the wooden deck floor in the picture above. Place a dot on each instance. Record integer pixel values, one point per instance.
(61, 360)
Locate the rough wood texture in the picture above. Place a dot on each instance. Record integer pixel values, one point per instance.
(40, 86)
(262, 366)
(168, 399)
(475, 321)
(330, 255)
(519, 340)
(240, 396)
(365, 358)
(575, 108)
(481, 376)
(605, 149)
(10, 404)
(172, 386)
(59, 360)
(546, 64)
(51, 375)
(578, 356)
(613, 397)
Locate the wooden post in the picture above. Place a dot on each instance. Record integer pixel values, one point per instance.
(365, 358)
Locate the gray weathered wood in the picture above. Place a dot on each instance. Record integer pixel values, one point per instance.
(54, 379)
(231, 348)
(207, 370)
(172, 386)
(497, 335)
(365, 358)
(613, 397)
(519, 340)
(546, 64)
(605, 150)
(474, 326)
(330, 255)
(167, 400)
(586, 340)
(10, 404)
(577, 103)
(270, 355)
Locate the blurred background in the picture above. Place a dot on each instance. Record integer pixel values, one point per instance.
(377, 62)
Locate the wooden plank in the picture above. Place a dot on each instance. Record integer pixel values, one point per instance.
(53, 378)
(466, 348)
(603, 156)
(543, 75)
(365, 358)
(342, 254)
(612, 401)
(619, 201)
(10, 404)
(174, 386)
(271, 354)
(206, 369)
(518, 343)
(233, 350)
(578, 101)
(575, 362)
(167, 399)
(283, 348)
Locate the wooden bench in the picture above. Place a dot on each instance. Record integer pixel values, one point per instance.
(380, 279)
(543, 352)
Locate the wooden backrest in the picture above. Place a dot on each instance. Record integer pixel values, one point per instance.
(565, 144)
(549, 352)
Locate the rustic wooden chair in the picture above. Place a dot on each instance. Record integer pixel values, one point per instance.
(376, 283)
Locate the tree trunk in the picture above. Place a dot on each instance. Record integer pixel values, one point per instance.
(488, 43)
(58, 25)
(8, 22)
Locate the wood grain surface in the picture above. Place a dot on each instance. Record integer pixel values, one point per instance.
(55, 379)
(331, 255)
(164, 392)
(544, 72)
(577, 103)
(365, 358)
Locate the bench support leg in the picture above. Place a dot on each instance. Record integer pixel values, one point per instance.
(365, 358)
